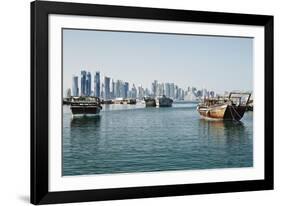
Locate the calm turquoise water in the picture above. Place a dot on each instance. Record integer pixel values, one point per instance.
(131, 138)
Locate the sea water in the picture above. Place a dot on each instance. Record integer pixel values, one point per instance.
(133, 138)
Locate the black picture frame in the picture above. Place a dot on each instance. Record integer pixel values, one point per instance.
(39, 102)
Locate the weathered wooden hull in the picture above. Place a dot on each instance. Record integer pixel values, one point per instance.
(222, 112)
(85, 110)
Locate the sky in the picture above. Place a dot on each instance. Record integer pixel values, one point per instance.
(212, 62)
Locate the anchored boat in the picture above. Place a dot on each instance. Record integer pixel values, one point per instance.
(164, 101)
(129, 101)
(232, 107)
(150, 102)
(85, 106)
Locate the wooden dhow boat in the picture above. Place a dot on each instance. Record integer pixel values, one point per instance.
(85, 106)
(150, 102)
(163, 101)
(232, 107)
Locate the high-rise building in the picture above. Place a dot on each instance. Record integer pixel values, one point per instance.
(68, 93)
(102, 95)
(176, 92)
(126, 89)
(112, 89)
(83, 82)
(172, 90)
(106, 88)
(140, 92)
(75, 89)
(154, 88)
(146, 92)
(122, 89)
(134, 92)
(180, 94)
(97, 84)
(88, 84)
(117, 88)
(161, 89)
(167, 90)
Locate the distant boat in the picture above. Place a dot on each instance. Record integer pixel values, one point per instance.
(164, 101)
(118, 100)
(124, 101)
(224, 108)
(129, 101)
(150, 102)
(107, 101)
(85, 106)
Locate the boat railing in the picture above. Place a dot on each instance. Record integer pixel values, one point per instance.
(239, 97)
(234, 98)
(85, 99)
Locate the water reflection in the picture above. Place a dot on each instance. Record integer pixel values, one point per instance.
(85, 131)
(133, 139)
(85, 121)
(221, 129)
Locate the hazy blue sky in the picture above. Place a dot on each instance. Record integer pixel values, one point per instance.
(215, 63)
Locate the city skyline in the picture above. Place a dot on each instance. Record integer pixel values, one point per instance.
(217, 63)
(109, 89)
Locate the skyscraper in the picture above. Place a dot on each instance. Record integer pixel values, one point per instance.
(68, 93)
(140, 92)
(118, 89)
(146, 92)
(106, 88)
(88, 84)
(102, 91)
(113, 89)
(126, 89)
(160, 89)
(167, 90)
(75, 89)
(154, 88)
(172, 90)
(134, 91)
(176, 92)
(97, 84)
(83, 82)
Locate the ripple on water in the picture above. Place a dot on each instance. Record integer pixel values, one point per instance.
(131, 138)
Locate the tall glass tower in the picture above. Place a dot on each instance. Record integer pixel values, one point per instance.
(97, 84)
(112, 89)
(75, 89)
(118, 89)
(126, 88)
(88, 84)
(167, 89)
(83, 83)
(106, 88)
(154, 88)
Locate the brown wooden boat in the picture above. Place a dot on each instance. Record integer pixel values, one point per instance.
(232, 107)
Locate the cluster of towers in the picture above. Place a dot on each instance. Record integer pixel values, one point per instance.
(86, 84)
(110, 89)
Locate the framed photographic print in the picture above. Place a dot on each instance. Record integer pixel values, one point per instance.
(130, 102)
